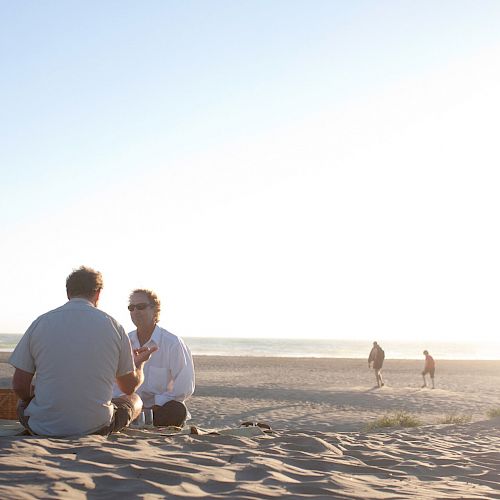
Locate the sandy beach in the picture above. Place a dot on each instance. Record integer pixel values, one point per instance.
(320, 447)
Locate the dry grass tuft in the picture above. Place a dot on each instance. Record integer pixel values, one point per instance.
(455, 419)
(493, 412)
(398, 419)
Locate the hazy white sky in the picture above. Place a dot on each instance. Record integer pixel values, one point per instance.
(270, 168)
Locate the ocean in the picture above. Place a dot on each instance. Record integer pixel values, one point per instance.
(321, 348)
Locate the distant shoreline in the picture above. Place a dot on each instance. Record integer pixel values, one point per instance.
(329, 349)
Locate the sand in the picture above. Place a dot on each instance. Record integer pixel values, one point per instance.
(319, 448)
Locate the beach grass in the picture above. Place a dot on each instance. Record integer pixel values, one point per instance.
(455, 419)
(398, 419)
(493, 412)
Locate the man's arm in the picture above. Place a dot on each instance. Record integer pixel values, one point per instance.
(21, 383)
(371, 357)
(179, 371)
(129, 382)
(183, 380)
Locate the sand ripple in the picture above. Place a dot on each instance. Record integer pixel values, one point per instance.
(446, 461)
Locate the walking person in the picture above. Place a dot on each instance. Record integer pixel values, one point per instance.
(429, 368)
(377, 356)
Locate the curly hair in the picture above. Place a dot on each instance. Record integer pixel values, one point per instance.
(83, 282)
(152, 298)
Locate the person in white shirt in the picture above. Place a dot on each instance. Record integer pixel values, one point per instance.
(77, 352)
(169, 378)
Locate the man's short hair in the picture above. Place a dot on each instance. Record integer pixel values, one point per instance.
(152, 298)
(83, 282)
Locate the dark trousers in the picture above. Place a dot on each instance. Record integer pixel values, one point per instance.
(171, 413)
(122, 416)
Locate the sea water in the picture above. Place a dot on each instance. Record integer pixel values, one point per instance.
(320, 348)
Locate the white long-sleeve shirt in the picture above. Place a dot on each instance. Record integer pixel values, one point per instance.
(169, 373)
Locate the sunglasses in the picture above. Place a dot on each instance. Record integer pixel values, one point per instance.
(139, 307)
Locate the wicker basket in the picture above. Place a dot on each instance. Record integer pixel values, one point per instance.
(8, 404)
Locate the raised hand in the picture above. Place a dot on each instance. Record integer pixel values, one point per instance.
(142, 354)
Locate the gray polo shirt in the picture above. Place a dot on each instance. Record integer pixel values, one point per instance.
(76, 353)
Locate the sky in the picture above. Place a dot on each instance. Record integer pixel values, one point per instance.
(287, 169)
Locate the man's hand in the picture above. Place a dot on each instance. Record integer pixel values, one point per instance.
(129, 382)
(142, 354)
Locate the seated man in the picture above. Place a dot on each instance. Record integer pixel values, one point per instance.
(77, 352)
(169, 375)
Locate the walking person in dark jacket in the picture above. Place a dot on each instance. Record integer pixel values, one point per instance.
(377, 357)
